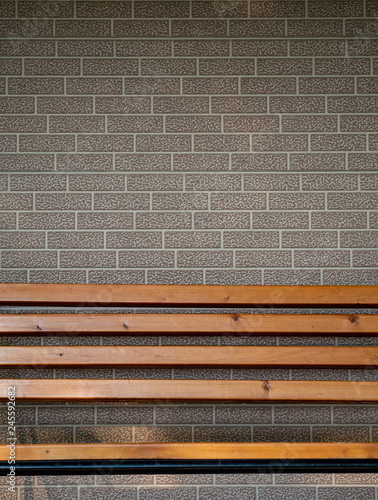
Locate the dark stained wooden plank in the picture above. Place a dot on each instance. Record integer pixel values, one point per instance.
(189, 324)
(185, 295)
(188, 356)
(191, 390)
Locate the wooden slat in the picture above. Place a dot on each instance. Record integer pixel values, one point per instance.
(188, 356)
(184, 295)
(189, 324)
(190, 390)
(192, 451)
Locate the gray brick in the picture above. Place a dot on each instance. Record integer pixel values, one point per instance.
(317, 47)
(358, 239)
(124, 415)
(199, 28)
(220, 9)
(162, 9)
(174, 277)
(303, 478)
(89, 85)
(22, 240)
(296, 201)
(50, 220)
(341, 433)
(8, 143)
(321, 258)
(163, 143)
(122, 124)
(11, 66)
(260, 28)
(52, 67)
(210, 258)
(76, 124)
(282, 66)
(365, 258)
(63, 201)
(295, 277)
(338, 220)
(82, 29)
(56, 240)
(203, 48)
(210, 85)
(266, 85)
(226, 66)
(106, 492)
(221, 143)
(192, 239)
(169, 220)
(350, 277)
(105, 143)
(45, 182)
(181, 105)
(336, 8)
(288, 104)
(120, 277)
(184, 415)
(16, 105)
(150, 86)
(373, 220)
(8, 220)
(28, 28)
(121, 201)
(87, 259)
(141, 29)
(237, 123)
(314, 28)
(355, 493)
(238, 105)
(326, 85)
(352, 104)
(344, 66)
(95, 182)
(81, 162)
(352, 201)
(142, 162)
(259, 162)
(7, 9)
(146, 259)
(222, 434)
(281, 434)
(264, 48)
(354, 415)
(363, 161)
(222, 220)
(199, 123)
(12, 201)
(271, 182)
(154, 182)
(362, 47)
(170, 493)
(27, 47)
(247, 478)
(133, 239)
(237, 201)
(283, 492)
(251, 239)
(169, 67)
(25, 163)
(309, 239)
(28, 259)
(360, 27)
(46, 143)
(280, 220)
(224, 493)
(46, 276)
(104, 435)
(367, 85)
(103, 9)
(85, 48)
(45, 9)
(184, 201)
(309, 123)
(227, 277)
(200, 162)
(64, 105)
(162, 479)
(13, 276)
(35, 86)
(329, 182)
(263, 258)
(373, 142)
(212, 182)
(317, 161)
(125, 105)
(279, 142)
(358, 123)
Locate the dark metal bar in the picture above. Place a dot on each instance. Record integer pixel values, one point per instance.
(99, 467)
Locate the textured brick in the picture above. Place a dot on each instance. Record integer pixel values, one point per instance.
(279, 142)
(227, 277)
(174, 277)
(353, 104)
(321, 258)
(221, 220)
(339, 433)
(365, 258)
(271, 182)
(317, 47)
(8, 221)
(199, 28)
(303, 478)
(181, 105)
(200, 162)
(13, 276)
(358, 123)
(79, 162)
(28, 28)
(239, 123)
(46, 276)
(280, 220)
(82, 29)
(106, 492)
(10, 66)
(124, 415)
(243, 415)
(363, 161)
(281, 66)
(94, 67)
(307, 239)
(169, 220)
(281, 434)
(74, 124)
(351, 142)
(75, 240)
(149, 143)
(84, 85)
(314, 28)
(258, 162)
(210, 85)
(105, 143)
(23, 124)
(226, 66)
(28, 259)
(257, 239)
(135, 124)
(263, 258)
(46, 143)
(162, 9)
(238, 105)
(361, 28)
(52, 67)
(162, 479)
(287, 104)
(184, 415)
(373, 142)
(50, 220)
(154, 182)
(220, 8)
(141, 29)
(45, 182)
(87, 259)
(284, 492)
(198, 123)
(317, 161)
(103, 9)
(203, 48)
(185, 201)
(265, 85)
(119, 277)
(237, 201)
(44, 201)
(35, 86)
(125, 105)
(11, 201)
(212, 182)
(338, 220)
(296, 277)
(309, 123)
(358, 239)
(88, 48)
(334, 493)
(224, 493)
(27, 163)
(16, 105)
(145, 258)
(121, 201)
(72, 105)
(329, 182)
(95, 182)
(335, 8)
(373, 220)
(26, 47)
(194, 239)
(211, 258)
(134, 239)
(8, 143)
(253, 48)
(222, 434)
(352, 201)
(7, 9)
(342, 66)
(260, 28)
(171, 493)
(142, 162)
(22, 240)
(45, 9)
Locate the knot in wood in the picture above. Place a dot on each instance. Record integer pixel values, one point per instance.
(267, 386)
(353, 319)
(235, 317)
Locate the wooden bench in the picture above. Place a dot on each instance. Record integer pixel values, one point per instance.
(189, 457)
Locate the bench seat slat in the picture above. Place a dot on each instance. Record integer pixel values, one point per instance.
(188, 356)
(188, 451)
(200, 295)
(189, 324)
(190, 390)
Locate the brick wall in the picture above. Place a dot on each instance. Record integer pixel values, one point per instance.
(191, 142)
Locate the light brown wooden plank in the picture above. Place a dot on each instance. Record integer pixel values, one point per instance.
(190, 390)
(163, 295)
(188, 356)
(192, 451)
(189, 324)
